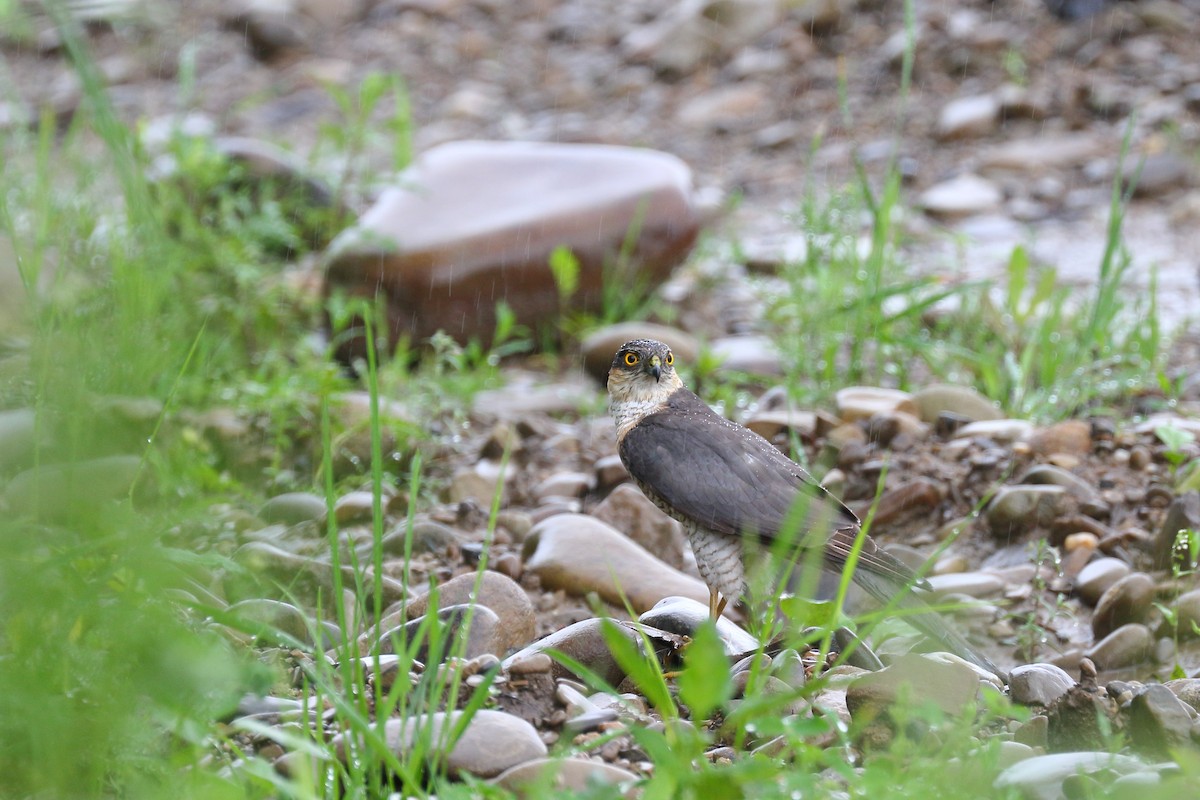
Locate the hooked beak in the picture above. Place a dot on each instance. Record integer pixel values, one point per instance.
(656, 368)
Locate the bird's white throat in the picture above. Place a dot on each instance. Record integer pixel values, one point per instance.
(630, 399)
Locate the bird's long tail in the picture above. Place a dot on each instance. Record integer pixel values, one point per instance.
(923, 618)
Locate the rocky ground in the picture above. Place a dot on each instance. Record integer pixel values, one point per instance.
(1011, 133)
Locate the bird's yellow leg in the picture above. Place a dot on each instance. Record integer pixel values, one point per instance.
(720, 608)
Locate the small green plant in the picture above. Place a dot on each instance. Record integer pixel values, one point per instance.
(1047, 604)
(1176, 440)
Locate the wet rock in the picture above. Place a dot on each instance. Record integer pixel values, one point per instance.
(631, 513)
(1041, 777)
(1182, 514)
(357, 507)
(684, 615)
(1187, 690)
(492, 742)
(1016, 509)
(1071, 436)
(610, 472)
(971, 584)
(934, 400)
(599, 346)
(276, 622)
(961, 196)
(1038, 684)
(736, 106)
(563, 484)
(480, 483)
(757, 355)
(57, 492)
(478, 221)
(1158, 721)
(694, 32)
(966, 117)
(584, 643)
(862, 402)
(771, 423)
(1125, 601)
(303, 576)
(520, 399)
(1127, 646)
(1187, 615)
(1041, 153)
(998, 430)
(952, 687)
(292, 508)
(462, 630)
(581, 554)
(1057, 476)
(575, 774)
(1096, 578)
(1157, 174)
(497, 592)
(425, 536)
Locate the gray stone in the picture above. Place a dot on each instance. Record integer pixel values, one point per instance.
(1041, 153)
(693, 32)
(276, 565)
(751, 353)
(863, 402)
(1187, 690)
(1187, 614)
(574, 774)
(1095, 579)
(684, 615)
(292, 508)
(581, 554)
(1125, 601)
(971, 584)
(425, 536)
(1049, 474)
(601, 345)
(966, 117)
(462, 630)
(1038, 684)
(1016, 509)
(998, 430)
(1041, 777)
(56, 492)
(629, 511)
(584, 643)
(497, 592)
(952, 687)
(1157, 174)
(492, 741)
(563, 484)
(472, 222)
(1158, 721)
(961, 196)
(1127, 646)
(277, 622)
(939, 398)
(735, 106)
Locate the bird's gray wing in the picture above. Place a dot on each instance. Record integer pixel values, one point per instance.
(730, 480)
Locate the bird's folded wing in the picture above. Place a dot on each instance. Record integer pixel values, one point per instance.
(730, 480)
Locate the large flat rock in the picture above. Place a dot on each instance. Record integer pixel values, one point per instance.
(474, 223)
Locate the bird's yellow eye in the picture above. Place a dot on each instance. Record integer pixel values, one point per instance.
(670, 359)
(631, 359)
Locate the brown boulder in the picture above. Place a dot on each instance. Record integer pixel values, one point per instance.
(474, 223)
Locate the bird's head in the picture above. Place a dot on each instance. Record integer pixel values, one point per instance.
(643, 370)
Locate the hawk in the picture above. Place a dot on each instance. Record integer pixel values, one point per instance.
(726, 484)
